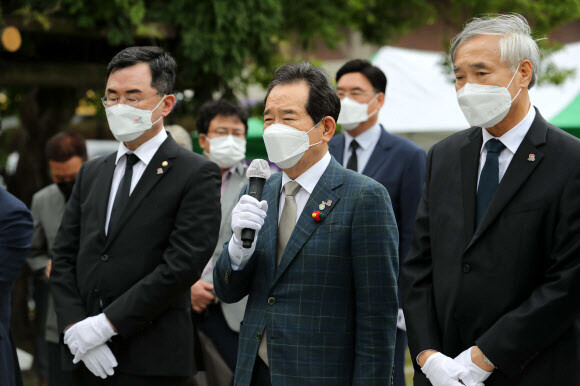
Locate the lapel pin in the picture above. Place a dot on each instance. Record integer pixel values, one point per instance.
(159, 171)
(531, 157)
(165, 163)
(329, 203)
(322, 205)
(316, 215)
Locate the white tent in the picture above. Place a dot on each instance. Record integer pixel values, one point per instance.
(421, 94)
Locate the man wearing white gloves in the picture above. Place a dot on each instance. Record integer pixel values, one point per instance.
(137, 231)
(321, 273)
(491, 285)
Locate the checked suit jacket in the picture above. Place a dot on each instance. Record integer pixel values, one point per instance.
(330, 307)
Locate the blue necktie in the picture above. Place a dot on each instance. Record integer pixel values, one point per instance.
(489, 179)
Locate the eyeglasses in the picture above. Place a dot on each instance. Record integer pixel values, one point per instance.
(358, 95)
(222, 131)
(111, 100)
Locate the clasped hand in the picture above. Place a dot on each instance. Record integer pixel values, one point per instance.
(87, 342)
(444, 371)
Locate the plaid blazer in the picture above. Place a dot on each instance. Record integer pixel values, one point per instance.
(330, 308)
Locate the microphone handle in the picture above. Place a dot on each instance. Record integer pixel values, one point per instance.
(255, 189)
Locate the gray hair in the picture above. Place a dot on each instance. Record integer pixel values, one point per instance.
(516, 43)
(181, 136)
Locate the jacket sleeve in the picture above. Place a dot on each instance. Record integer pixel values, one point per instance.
(68, 303)
(417, 282)
(375, 267)
(38, 257)
(15, 236)
(518, 336)
(191, 244)
(411, 188)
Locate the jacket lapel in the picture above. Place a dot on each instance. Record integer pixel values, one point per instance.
(269, 232)
(516, 174)
(323, 191)
(149, 179)
(469, 160)
(376, 159)
(103, 191)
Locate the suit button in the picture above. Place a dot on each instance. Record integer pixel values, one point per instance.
(271, 301)
(258, 336)
(466, 268)
(104, 257)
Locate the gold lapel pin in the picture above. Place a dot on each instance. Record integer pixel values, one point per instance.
(164, 163)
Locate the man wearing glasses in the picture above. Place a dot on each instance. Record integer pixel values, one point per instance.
(137, 231)
(397, 163)
(222, 128)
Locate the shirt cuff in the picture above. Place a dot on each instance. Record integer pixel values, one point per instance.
(239, 256)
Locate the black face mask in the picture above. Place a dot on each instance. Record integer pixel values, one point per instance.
(66, 188)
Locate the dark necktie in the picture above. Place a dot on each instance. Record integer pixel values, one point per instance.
(123, 192)
(489, 179)
(353, 161)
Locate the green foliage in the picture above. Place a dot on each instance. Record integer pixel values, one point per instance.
(224, 45)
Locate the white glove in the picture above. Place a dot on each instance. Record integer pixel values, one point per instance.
(477, 373)
(444, 371)
(248, 213)
(100, 361)
(401, 320)
(88, 334)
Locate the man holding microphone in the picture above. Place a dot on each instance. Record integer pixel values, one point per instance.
(321, 273)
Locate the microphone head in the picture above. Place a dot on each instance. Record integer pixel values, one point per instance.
(259, 168)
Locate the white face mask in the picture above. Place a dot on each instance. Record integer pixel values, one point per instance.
(286, 145)
(127, 123)
(353, 113)
(485, 105)
(226, 150)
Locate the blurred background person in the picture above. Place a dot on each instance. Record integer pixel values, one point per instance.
(395, 162)
(66, 152)
(181, 136)
(222, 128)
(15, 238)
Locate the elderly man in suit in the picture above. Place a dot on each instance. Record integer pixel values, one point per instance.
(493, 276)
(66, 152)
(395, 162)
(137, 231)
(222, 130)
(321, 273)
(15, 237)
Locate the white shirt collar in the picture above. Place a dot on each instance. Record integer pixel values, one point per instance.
(514, 137)
(309, 178)
(146, 151)
(366, 139)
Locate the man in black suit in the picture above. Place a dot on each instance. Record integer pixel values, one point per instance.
(137, 231)
(493, 275)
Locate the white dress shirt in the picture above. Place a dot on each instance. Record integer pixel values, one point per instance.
(367, 142)
(511, 140)
(145, 152)
(239, 256)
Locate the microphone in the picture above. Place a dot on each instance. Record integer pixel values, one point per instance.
(258, 173)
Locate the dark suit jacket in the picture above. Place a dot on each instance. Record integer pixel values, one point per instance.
(140, 274)
(331, 317)
(399, 165)
(511, 286)
(15, 238)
